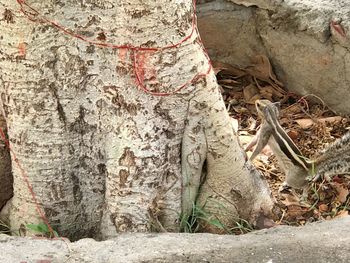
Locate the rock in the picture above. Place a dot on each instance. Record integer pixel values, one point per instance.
(317, 242)
(229, 32)
(307, 41)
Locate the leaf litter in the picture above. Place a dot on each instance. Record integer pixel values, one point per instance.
(309, 123)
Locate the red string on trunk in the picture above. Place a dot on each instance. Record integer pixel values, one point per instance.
(33, 15)
(26, 180)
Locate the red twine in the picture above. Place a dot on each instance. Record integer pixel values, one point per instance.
(33, 15)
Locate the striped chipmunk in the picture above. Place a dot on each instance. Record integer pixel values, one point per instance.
(333, 160)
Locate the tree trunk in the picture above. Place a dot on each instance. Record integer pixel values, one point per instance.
(100, 154)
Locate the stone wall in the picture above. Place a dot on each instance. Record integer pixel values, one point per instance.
(307, 41)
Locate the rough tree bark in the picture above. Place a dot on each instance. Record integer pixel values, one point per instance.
(101, 155)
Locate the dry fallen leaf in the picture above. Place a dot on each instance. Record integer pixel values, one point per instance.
(228, 82)
(267, 92)
(307, 123)
(338, 179)
(296, 211)
(227, 68)
(251, 94)
(290, 200)
(342, 213)
(258, 79)
(323, 208)
(293, 134)
(262, 70)
(292, 109)
(342, 192)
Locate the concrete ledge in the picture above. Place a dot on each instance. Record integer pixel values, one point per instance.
(318, 242)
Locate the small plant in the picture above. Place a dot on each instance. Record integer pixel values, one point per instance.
(242, 227)
(190, 224)
(42, 229)
(346, 205)
(315, 195)
(4, 228)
